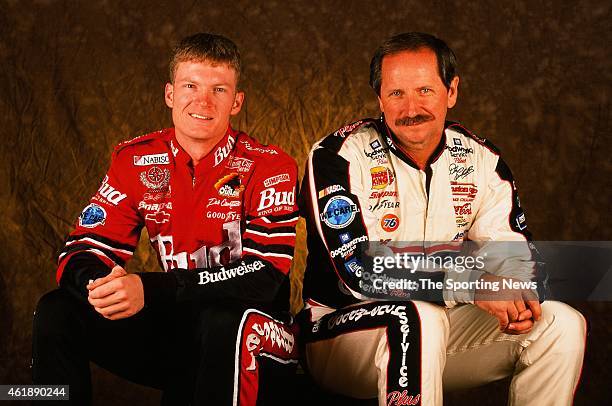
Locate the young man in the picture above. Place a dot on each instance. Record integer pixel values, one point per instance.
(419, 184)
(219, 209)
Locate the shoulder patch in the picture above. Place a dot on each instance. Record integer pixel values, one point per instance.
(482, 141)
(335, 140)
(140, 139)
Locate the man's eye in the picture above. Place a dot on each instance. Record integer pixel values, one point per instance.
(396, 93)
(190, 86)
(219, 89)
(426, 90)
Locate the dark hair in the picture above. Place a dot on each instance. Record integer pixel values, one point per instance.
(413, 41)
(209, 47)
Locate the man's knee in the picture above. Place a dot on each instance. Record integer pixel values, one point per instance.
(565, 324)
(56, 310)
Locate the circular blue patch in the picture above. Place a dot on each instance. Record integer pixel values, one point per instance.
(92, 216)
(339, 212)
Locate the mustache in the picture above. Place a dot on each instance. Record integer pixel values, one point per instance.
(418, 119)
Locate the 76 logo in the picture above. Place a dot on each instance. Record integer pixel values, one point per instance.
(389, 222)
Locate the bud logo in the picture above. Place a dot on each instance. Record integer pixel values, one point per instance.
(156, 159)
(222, 152)
(229, 273)
(270, 197)
(275, 180)
(389, 222)
(339, 212)
(381, 177)
(329, 190)
(463, 209)
(229, 185)
(109, 193)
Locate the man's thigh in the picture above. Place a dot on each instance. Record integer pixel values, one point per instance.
(370, 349)
(478, 352)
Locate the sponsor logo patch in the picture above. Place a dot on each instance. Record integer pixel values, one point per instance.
(280, 200)
(155, 159)
(159, 217)
(520, 221)
(239, 164)
(354, 267)
(389, 222)
(384, 193)
(155, 178)
(222, 152)
(93, 215)
(345, 237)
(339, 212)
(329, 190)
(275, 180)
(381, 177)
(456, 141)
(213, 201)
(248, 146)
(343, 132)
(107, 193)
(346, 250)
(230, 185)
(465, 209)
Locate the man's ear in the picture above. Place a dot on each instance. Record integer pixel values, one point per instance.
(169, 95)
(453, 92)
(238, 101)
(380, 104)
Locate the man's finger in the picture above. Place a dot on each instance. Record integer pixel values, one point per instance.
(105, 290)
(105, 301)
(520, 327)
(524, 315)
(110, 310)
(513, 313)
(116, 272)
(535, 308)
(502, 317)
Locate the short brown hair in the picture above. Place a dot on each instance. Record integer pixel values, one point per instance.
(209, 47)
(414, 41)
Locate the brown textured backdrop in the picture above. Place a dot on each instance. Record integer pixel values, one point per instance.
(78, 77)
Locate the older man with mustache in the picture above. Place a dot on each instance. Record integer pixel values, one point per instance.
(411, 182)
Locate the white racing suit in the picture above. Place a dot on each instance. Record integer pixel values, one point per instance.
(359, 188)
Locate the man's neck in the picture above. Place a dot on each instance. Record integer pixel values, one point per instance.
(420, 153)
(197, 149)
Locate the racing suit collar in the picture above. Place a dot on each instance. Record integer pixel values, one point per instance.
(390, 139)
(215, 157)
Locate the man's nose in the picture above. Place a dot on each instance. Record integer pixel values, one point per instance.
(203, 98)
(411, 106)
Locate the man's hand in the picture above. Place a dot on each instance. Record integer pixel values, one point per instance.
(516, 310)
(117, 295)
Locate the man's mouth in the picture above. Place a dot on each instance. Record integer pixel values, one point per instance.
(200, 116)
(416, 120)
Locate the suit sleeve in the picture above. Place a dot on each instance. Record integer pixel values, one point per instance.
(105, 235)
(267, 241)
(500, 231)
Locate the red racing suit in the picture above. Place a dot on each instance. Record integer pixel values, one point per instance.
(233, 217)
